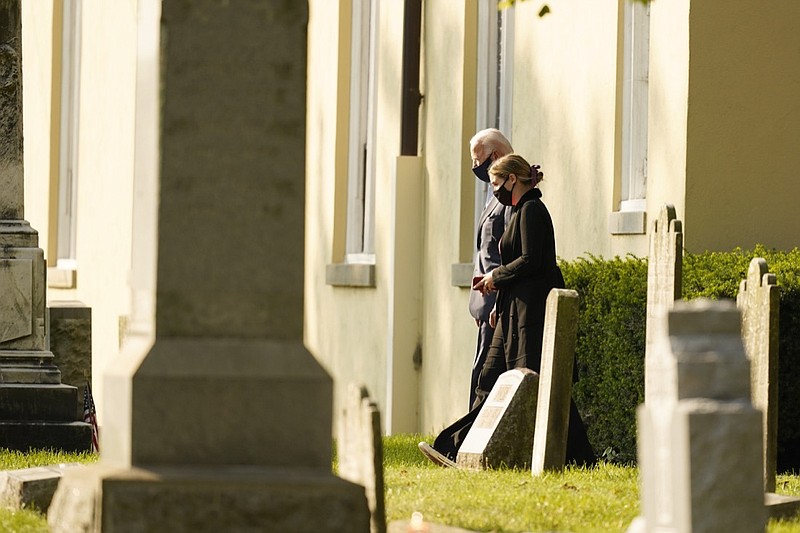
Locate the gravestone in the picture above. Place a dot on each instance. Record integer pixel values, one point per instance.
(699, 435)
(555, 381)
(664, 271)
(71, 344)
(360, 451)
(502, 434)
(31, 487)
(759, 302)
(36, 409)
(216, 416)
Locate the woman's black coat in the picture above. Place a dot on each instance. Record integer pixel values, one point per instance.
(524, 279)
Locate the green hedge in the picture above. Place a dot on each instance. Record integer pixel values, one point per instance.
(611, 338)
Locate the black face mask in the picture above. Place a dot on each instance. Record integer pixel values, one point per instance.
(503, 195)
(482, 171)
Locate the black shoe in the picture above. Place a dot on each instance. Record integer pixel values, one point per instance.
(436, 457)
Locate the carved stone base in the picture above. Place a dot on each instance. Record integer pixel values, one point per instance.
(66, 436)
(41, 416)
(20, 402)
(28, 367)
(190, 499)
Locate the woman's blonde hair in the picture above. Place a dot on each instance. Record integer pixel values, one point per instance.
(517, 165)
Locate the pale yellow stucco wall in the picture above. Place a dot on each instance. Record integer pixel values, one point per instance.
(564, 115)
(362, 334)
(105, 166)
(37, 53)
(743, 126)
(668, 99)
(449, 332)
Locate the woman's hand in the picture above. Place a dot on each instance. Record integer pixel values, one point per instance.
(484, 285)
(493, 318)
(488, 284)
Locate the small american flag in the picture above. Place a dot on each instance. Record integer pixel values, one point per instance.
(90, 416)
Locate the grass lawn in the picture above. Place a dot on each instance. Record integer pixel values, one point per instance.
(602, 499)
(30, 520)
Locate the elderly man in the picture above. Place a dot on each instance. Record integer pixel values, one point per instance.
(485, 147)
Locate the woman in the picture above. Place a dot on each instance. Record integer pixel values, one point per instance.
(527, 273)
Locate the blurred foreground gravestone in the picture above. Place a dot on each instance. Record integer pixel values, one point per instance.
(360, 451)
(217, 418)
(699, 435)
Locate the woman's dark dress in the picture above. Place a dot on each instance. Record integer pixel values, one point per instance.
(527, 272)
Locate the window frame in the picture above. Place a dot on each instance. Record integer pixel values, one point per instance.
(69, 129)
(360, 233)
(495, 79)
(635, 82)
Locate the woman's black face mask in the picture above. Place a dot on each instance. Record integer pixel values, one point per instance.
(503, 195)
(482, 171)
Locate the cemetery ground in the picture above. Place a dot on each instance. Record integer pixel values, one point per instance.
(600, 499)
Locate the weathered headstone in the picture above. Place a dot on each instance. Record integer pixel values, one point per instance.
(699, 435)
(360, 451)
(555, 381)
(71, 344)
(664, 271)
(759, 302)
(31, 487)
(502, 434)
(36, 409)
(217, 418)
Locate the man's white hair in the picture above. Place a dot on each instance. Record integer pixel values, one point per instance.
(492, 140)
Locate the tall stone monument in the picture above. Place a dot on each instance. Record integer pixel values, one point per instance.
(759, 302)
(36, 409)
(664, 271)
(699, 435)
(219, 419)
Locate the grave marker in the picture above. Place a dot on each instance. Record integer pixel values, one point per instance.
(360, 451)
(217, 418)
(502, 434)
(664, 270)
(36, 409)
(759, 302)
(555, 381)
(699, 436)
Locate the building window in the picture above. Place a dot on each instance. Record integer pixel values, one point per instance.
(361, 160)
(628, 218)
(64, 166)
(494, 77)
(68, 137)
(636, 47)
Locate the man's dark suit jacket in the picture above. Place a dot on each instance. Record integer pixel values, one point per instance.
(490, 228)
